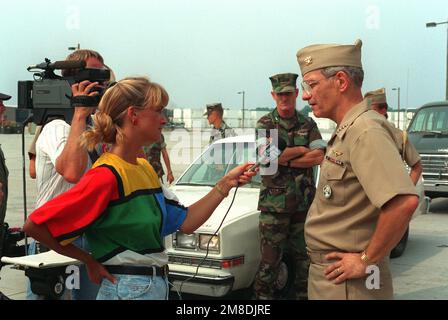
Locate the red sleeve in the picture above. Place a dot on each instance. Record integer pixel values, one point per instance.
(68, 214)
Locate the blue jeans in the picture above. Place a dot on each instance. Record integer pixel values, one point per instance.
(30, 295)
(134, 287)
(87, 289)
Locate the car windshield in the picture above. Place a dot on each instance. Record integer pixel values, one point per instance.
(217, 161)
(432, 120)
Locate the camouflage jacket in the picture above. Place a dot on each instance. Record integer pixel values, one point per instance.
(224, 132)
(153, 153)
(289, 190)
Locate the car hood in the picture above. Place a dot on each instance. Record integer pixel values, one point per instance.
(429, 143)
(246, 202)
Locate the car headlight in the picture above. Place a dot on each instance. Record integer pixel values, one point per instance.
(204, 239)
(185, 241)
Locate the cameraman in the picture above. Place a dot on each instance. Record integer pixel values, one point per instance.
(93, 61)
(60, 159)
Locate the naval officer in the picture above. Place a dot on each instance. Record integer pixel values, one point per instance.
(365, 198)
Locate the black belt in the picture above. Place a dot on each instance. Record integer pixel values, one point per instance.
(142, 271)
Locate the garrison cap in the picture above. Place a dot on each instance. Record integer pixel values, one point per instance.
(213, 107)
(321, 56)
(376, 96)
(4, 97)
(284, 82)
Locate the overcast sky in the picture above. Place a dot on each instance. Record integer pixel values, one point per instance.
(206, 51)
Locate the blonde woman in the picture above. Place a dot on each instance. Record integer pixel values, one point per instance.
(120, 205)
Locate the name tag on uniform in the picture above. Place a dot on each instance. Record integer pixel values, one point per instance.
(335, 161)
(302, 132)
(276, 191)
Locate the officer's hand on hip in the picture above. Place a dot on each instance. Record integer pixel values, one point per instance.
(347, 266)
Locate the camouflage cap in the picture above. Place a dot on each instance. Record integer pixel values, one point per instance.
(376, 96)
(284, 82)
(321, 56)
(4, 97)
(213, 107)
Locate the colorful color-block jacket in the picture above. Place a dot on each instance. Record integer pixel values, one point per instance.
(121, 208)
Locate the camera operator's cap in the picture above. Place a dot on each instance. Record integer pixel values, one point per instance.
(284, 82)
(4, 97)
(321, 56)
(213, 107)
(376, 96)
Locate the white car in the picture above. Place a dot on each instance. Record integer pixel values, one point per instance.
(234, 251)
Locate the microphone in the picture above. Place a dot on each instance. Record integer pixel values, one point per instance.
(268, 151)
(58, 65)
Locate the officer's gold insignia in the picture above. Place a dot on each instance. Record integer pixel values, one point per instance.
(308, 60)
(336, 153)
(327, 191)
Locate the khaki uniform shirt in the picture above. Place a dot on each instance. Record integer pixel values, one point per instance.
(362, 170)
(407, 151)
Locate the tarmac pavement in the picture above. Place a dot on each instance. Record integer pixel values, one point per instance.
(421, 272)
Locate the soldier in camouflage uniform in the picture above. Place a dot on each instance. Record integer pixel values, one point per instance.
(153, 152)
(220, 128)
(286, 196)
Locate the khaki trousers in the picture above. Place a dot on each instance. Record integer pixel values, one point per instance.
(319, 288)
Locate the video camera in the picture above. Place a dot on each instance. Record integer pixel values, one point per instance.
(50, 95)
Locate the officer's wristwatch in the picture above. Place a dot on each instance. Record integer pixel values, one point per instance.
(365, 258)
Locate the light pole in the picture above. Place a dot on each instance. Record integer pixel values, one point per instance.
(243, 93)
(74, 48)
(432, 25)
(398, 107)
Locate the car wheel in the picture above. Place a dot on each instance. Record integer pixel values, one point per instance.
(285, 278)
(401, 246)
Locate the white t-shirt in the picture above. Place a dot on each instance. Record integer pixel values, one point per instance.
(49, 146)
